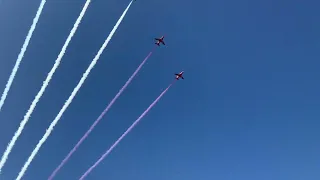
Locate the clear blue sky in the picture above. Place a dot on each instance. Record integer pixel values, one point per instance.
(248, 108)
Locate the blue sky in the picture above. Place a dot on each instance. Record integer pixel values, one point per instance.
(247, 109)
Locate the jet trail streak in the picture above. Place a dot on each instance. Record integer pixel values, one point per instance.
(21, 54)
(73, 94)
(43, 88)
(101, 115)
(124, 134)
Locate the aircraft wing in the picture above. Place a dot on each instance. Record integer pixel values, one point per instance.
(157, 39)
(163, 43)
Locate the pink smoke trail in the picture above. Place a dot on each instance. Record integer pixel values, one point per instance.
(99, 118)
(124, 134)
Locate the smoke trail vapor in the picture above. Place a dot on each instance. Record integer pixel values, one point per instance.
(21, 54)
(44, 86)
(99, 118)
(73, 94)
(124, 134)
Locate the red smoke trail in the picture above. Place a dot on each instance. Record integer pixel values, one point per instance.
(99, 118)
(125, 133)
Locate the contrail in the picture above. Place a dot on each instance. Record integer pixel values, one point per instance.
(73, 94)
(21, 54)
(124, 134)
(44, 86)
(99, 118)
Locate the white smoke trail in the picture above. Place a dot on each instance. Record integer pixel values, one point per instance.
(21, 54)
(45, 84)
(73, 94)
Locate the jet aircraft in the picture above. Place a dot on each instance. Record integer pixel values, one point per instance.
(159, 40)
(178, 76)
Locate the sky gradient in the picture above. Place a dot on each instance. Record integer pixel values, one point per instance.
(248, 108)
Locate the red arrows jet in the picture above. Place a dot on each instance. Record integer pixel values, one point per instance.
(178, 76)
(159, 40)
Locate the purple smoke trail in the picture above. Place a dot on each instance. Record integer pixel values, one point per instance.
(99, 118)
(124, 134)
